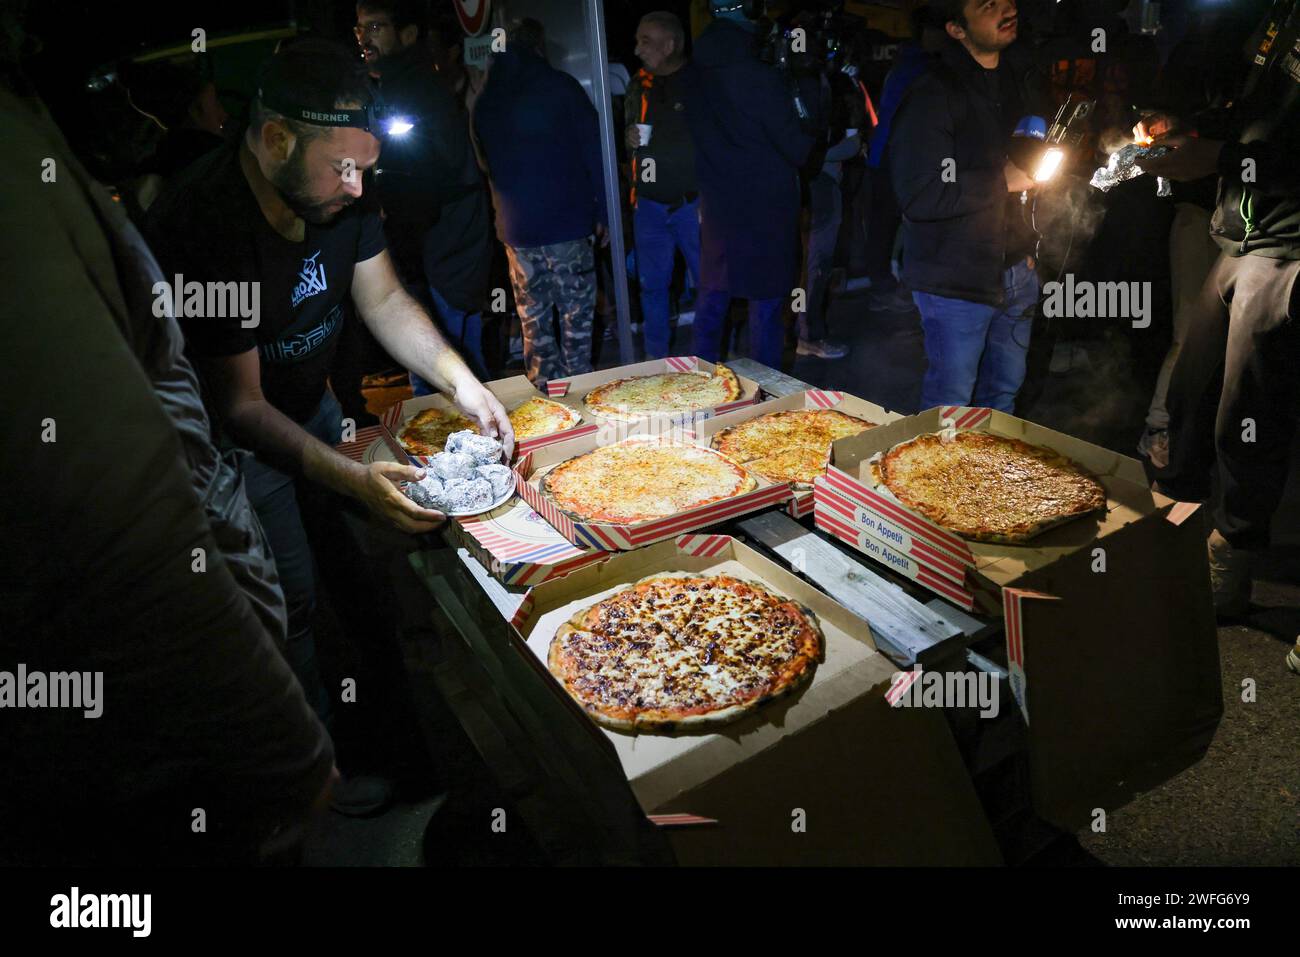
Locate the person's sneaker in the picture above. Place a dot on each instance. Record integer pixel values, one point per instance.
(1293, 657)
(897, 299)
(362, 796)
(1154, 446)
(1230, 571)
(822, 348)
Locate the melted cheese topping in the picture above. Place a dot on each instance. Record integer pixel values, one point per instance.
(983, 485)
(637, 481)
(801, 464)
(687, 646)
(540, 416)
(784, 445)
(425, 433)
(664, 392)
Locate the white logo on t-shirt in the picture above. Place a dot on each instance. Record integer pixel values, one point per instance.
(313, 279)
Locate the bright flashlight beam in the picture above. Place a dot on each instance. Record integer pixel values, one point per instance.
(1048, 165)
(399, 127)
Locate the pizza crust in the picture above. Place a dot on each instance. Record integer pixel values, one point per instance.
(785, 446)
(637, 603)
(663, 393)
(639, 481)
(988, 488)
(426, 432)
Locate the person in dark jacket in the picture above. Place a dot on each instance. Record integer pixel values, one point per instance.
(540, 140)
(1235, 376)
(749, 146)
(435, 206)
(913, 60)
(967, 245)
(665, 198)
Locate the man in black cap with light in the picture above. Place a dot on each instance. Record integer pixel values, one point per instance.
(284, 210)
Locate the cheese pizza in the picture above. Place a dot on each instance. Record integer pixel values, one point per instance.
(425, 433)
(677, 651)
(789, 446)
(664, 393)
(987, 487)
(636, 481)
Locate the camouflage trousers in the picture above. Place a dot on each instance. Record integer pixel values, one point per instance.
(555, 282)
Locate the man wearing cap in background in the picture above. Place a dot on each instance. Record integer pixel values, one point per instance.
(284, 208)
(435, 207)
(666, 215)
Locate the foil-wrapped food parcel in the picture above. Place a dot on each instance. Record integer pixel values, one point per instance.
(467, 476)
(1123, 165)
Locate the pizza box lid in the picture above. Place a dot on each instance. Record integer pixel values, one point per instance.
(571, 391)
(834, 750)
(801, 502)
(625, 537)
(512, 392)
(992, 565)
(518, 547)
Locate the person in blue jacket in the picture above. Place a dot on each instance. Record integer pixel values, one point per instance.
(749, 146)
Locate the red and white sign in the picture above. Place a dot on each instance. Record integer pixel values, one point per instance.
(472, 14)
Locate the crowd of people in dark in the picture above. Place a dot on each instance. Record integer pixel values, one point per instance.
(173, 484)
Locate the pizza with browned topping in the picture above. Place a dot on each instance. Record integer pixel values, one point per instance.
(678, 651)
(987, 487)
(663, 393)
(636, 481)
(425, 433)
(789, 446)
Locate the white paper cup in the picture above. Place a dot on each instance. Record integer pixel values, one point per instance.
(644, 129)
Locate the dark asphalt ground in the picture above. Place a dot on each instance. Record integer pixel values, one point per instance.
(1239, 806)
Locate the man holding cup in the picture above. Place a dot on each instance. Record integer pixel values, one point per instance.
(665, 199)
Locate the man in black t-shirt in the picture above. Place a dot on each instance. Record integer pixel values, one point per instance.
(283, 214)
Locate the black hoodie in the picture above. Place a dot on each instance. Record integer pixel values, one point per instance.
(1262, 217)
(947, 148)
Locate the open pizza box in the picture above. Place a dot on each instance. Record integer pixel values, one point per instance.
(532, 467)
(1108, 619)
(572, 391)
(801, 503)
(518, 547)
(831, 774)
(512, 393)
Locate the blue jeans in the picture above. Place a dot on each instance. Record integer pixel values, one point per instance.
(826, 208)
(766, 330)
(977, 351)
(464, 330)
(659, 232)
(275, 497)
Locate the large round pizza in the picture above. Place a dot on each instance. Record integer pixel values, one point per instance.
(636, 481)
(987, 487)
(425, 433)
(664, 393)
(684, 652)
(789, 446)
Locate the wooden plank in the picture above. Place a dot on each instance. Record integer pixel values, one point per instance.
(906, 630)
(773, 381)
